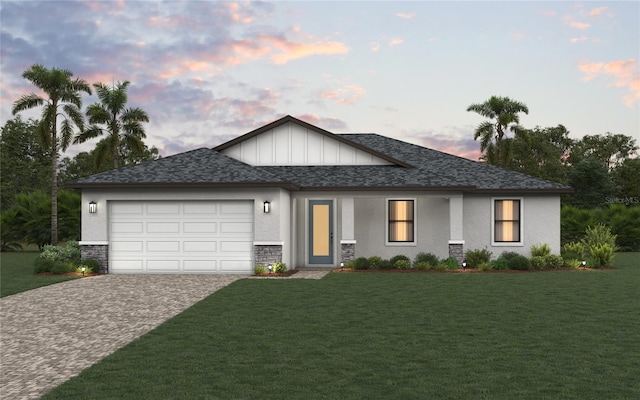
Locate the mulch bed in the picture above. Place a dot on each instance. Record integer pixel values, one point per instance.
(278, 274)
(467, 270)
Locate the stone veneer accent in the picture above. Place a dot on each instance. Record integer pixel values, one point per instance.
(267, 254)
(348, 251)
(457, 251)
(98, 252)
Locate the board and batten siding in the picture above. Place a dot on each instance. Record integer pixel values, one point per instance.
(292, 144)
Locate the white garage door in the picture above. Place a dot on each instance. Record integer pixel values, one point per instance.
(180, 237)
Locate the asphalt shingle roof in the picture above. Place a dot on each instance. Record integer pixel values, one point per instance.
(433, 170)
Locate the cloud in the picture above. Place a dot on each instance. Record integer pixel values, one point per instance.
(346, 95)
(331, 124)
(395, 42)
(578, 39)
(405, 15)
(579, 25)
(374, 46)
(624, 72)
(596, 11)
(291, 50)
(517, 36)
(452, 140)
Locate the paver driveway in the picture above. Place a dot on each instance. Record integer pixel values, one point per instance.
(50, 334)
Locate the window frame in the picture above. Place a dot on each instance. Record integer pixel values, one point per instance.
(519, 243)
(415, 222)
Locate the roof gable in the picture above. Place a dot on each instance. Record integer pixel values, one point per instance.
(292, 142)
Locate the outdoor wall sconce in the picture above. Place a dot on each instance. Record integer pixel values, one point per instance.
(93, 207)
(266, 207)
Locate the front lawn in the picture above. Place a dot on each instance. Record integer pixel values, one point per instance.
(560, 335)
(16, 273)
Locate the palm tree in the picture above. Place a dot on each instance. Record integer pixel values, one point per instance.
(63, 100)
(504, 113)
(124, 125)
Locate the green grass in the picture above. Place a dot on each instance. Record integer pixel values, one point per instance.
(559, 335)
(16, 273)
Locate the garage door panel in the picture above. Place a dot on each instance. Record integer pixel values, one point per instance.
(190, 246)
(181, 236)
(200, 209)
(163, 208)
(163, 265)
(163, 227)
(127, 265)
(129, 246)
(200, 265)
(236, 227)
(244, 208)
(163, 247)
(200, 227)
(127, 227)
(234, 247)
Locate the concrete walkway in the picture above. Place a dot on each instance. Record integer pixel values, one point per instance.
(50, 334)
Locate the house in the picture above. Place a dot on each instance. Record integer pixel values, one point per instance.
(293, 192)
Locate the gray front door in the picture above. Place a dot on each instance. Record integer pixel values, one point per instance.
(320, 232)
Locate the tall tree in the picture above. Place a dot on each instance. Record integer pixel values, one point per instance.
(503, 113)
(64, 100)
(592, 182)
(24, 165)
(542, 152)
(610, 149)
(123, 125)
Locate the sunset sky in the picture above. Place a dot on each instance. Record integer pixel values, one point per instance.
(209, 71)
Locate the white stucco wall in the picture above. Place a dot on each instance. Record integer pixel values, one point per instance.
(432, 218)
(540, 219)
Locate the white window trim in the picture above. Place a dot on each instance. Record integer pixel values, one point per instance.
(415, 223)
(493, 222)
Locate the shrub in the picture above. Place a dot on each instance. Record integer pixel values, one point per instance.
(602, 254)
(260, 270)
(402, 264)
(574, 264)
(441, 266)
(398, 257)
(554, 261)
(41, 265)
(426, 257)
(422, 265)
(374, 262)
(360, 263)
(540, 250)
(62, 267)
(485, 266)
(279, 267)
(476, 257)
(600, 244)
(508, 255)
(385, 264)
(450, 263)
(92, 265)
(499, 264)
(69, 252)
(520, 263)
(573, 250)
(538, 262)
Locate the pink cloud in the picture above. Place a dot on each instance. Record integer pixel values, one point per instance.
(374, 46)
(517, 36)
(579, 39)
(596, 11)
(579, 25)
(331, 124)
(625, 73)
(290, 50)
(405, 15)
(346, 95)
(395, 42)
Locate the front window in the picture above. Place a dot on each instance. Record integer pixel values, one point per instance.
(401, 221)
(507, 221)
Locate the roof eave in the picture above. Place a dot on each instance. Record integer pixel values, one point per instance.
(181, 185)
